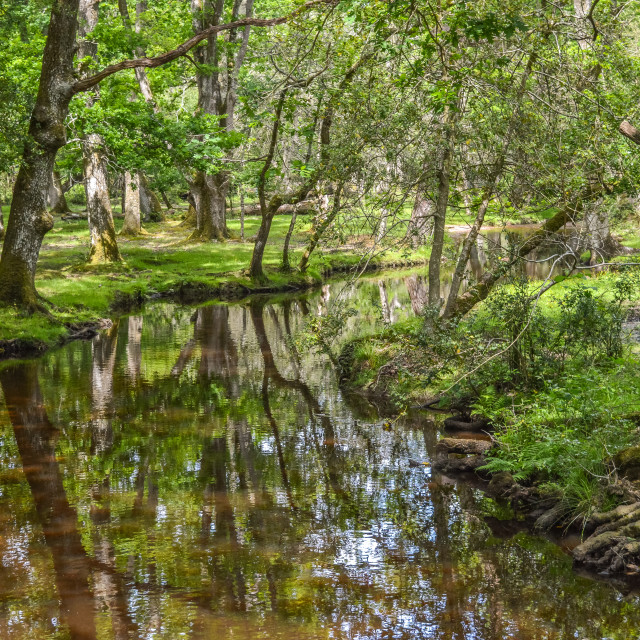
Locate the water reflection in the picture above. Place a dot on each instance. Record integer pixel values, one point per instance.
(35, 437)
(198, 473)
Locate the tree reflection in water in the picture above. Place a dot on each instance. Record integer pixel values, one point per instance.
(209, 479)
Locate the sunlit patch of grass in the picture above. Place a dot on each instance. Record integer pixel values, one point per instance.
(159, 261)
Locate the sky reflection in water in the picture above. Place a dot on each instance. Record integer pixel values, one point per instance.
(197, 474)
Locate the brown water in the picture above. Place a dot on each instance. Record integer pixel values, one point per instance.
(196, 473)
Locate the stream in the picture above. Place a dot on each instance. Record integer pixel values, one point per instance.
(198, 473)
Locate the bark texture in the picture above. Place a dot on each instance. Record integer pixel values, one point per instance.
(104, 246)
(29, 219)
(55, 199)
(131, 200)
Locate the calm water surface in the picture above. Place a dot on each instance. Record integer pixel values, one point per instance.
(197, 473)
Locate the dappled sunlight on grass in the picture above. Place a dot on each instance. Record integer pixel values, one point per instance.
(162, 260)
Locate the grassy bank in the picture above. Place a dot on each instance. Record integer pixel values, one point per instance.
(563, 399)
(163, 263)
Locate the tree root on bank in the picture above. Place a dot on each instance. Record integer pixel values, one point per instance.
(611, 539)
(460, 454)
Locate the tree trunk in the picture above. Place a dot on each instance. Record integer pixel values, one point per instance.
(319, 229)
(286, 266)
(600, 243)
(55, 198)
(384, 302)
(421, 223)
(191, 219)
(166, 200)
(217, 96)
(382, 225)
(417, 293)
(440, 213)
(256, 270)
(104, 247)
(214, 207)
(582, 8)
(1, 222)
(131, 200)
(241, 216)
(150, 206)
(209, 195)
(29, 219)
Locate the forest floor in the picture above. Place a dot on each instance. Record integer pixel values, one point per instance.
(162, 262)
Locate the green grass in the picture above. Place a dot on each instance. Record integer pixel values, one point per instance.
(161, 261)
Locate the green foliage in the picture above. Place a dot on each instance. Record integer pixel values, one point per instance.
(563, 434)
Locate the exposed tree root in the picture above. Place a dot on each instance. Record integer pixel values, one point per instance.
(611, 539)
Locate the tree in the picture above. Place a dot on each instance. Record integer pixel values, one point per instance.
(103, 244)
(219, 63)
(29, 219)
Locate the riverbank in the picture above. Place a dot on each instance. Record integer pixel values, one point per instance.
(561, 403)
(163, 264)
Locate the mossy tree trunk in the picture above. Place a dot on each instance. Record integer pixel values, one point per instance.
(104, 246)
(131, 205)
(29, 219)
(213, 200)
(191, 219)
(150, 206)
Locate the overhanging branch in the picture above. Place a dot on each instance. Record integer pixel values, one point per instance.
(157, 61)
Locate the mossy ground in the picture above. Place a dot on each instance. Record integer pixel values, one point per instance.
(161, 261)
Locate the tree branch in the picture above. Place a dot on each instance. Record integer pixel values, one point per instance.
(628, 130)
(150, 63)
(592, 21)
